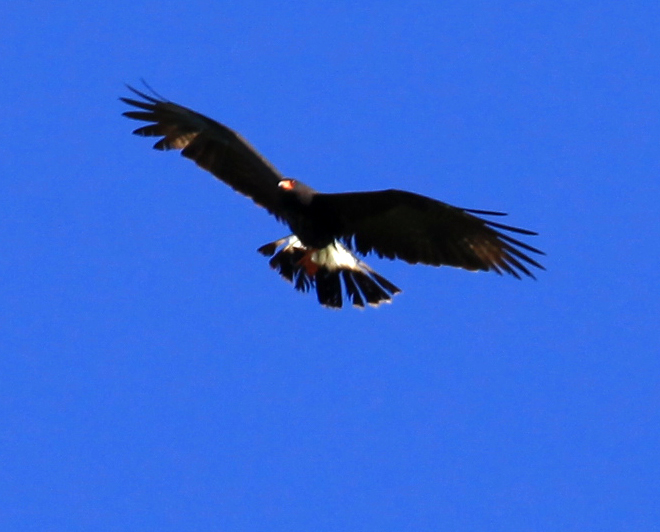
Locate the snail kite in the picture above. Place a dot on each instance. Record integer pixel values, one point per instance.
(328, 229)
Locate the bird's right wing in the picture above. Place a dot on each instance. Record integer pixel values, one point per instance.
(402, 225)
(213, 146)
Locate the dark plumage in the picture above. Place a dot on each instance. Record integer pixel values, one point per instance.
(328, 227)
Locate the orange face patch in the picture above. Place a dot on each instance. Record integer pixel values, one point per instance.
(287, 184)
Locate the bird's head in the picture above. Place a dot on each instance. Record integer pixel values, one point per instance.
(297, 189)
(287, 184)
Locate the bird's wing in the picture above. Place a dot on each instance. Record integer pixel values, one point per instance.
(213, 146)
(417, 229)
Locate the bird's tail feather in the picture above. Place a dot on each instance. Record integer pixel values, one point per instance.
(327, 270)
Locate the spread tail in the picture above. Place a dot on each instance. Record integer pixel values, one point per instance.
(328, 269)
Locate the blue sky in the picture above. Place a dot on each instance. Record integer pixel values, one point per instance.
(157, 375)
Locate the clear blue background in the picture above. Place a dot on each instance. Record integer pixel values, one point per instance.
(155, 374)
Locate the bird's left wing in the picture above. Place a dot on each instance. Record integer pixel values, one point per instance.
(213, 146)
(418, 229)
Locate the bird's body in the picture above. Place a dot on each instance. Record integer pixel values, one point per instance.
(327, 228)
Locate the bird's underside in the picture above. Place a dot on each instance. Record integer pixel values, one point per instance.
(330, 228)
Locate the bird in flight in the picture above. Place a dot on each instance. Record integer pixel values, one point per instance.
(329, 230)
